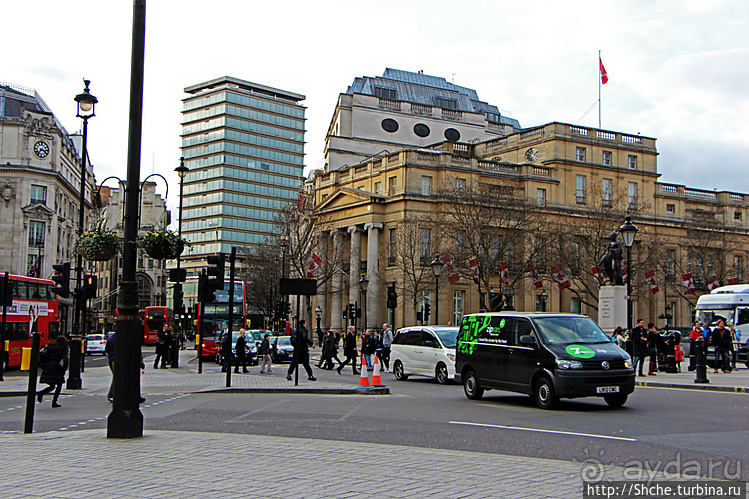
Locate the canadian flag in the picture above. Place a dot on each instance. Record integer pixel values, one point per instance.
(313, 266)
(732, 281)
(559, 277)
(650, 278)
(712, 282)
(597, 276)
(537, 282)
(688, 283)
(604, 76)
(474, 264)
(504, 273)
(452, 273)
(625, 275)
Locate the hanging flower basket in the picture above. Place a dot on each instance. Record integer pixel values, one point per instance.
(162, 244)
(98, 245)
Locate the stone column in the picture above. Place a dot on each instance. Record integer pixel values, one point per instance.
(322, 288)
(336, 292)
(355, 260)
(373, 239)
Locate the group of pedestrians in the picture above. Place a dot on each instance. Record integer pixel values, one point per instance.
(645, 346)
(168, 344)
(723, 338)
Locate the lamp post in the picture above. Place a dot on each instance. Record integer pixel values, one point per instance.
(544, 297)
(508, 293)
(628, 230)
(363, 283)
(179, 306)
(437, 265)
(86, 104)
(318, 313)
(284, 247)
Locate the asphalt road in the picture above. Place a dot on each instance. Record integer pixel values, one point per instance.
(657, 427)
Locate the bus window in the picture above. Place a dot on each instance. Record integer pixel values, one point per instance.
(743, 316)
(22, 290)
(18, 331)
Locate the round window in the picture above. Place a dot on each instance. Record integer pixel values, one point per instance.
(389, 125)
(452, 135)
(421, 130)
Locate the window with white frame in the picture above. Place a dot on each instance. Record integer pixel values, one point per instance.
(460, 184)
(378, 188)
(632, 161)
(541, 197)
(392, 185)
(36, 233)
(38, 194)
(391, 246)
(632, 195)
(606, 158)
(425, 249)
(426, 185)
(459, 298)
(670, 262)
(580, 153)
(580, 187)
(670, 208)
(607, 187)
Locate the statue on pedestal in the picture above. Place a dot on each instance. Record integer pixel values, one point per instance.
(612, 261)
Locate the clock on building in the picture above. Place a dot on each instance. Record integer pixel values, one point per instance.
(531, 155)
(41, 149)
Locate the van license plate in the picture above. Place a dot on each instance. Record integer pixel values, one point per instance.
(608, 389)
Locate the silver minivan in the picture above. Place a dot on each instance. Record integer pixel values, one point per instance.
(425, 351)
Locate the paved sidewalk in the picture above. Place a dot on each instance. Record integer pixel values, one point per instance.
(736, 381)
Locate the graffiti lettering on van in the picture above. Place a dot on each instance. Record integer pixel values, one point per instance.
(471, 331)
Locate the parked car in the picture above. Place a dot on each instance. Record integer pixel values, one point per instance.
(250, 349)
(546, 355)
(281, 349)
(95, 343)
(425, 351)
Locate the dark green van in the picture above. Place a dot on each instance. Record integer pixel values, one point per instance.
(546, 355)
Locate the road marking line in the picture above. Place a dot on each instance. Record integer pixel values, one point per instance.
(544, 431)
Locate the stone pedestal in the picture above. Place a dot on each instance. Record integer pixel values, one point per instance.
(612, 308)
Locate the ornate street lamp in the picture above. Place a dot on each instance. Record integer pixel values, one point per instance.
(437, 265)
(179, 305)
(318, 313)
(86, 104)
(508, 293)
(544, 297)
(363, 283)
(628, 230)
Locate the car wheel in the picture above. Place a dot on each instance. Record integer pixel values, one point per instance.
(544, 393)
(441, 374)
(615, 399)
(471, 386)
(398, 372)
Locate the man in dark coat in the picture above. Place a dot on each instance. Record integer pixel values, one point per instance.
(722, 341)
(639, 336)
(368, 348)
(241, 352)
(54, 364)
(301, 341)
(349, 349)
(162, 337)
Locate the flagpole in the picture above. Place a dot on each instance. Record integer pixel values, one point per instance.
(599, 89)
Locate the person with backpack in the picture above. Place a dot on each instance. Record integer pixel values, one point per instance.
(54, 361)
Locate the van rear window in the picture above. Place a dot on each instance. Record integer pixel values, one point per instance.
(565, 330)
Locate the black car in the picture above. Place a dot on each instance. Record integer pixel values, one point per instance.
(281, 349)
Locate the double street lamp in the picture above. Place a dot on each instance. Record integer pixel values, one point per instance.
(437, 265)
(86, 104)
(628, 230)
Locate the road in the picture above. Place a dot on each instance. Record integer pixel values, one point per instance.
(657, 426)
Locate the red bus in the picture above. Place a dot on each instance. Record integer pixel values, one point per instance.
(154, 320)
(34, 309)
(215, 317)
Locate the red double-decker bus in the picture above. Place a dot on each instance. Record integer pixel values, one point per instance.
(215, 318)
(34, 309)
(154, 320)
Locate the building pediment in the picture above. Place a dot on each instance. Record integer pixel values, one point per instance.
(346, 196)
(37, 211)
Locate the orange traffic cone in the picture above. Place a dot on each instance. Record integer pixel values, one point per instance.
(376, 381)
(364, 378)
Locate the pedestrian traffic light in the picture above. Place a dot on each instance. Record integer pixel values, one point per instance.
(89, 286)
(392, 297)
(286, 308)
(205, 295)
(427, 311)
(215, 272)
(178, 295)
(345, 313)
(62, 279)
(352, 310)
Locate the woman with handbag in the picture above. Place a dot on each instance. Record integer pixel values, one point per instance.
(54, 364)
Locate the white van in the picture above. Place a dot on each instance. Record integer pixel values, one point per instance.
(731, 304)
(426, 351)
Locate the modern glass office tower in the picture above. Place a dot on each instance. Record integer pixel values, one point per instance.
(244, 145)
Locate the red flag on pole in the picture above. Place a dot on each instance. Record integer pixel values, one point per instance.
(504, 273)
(474, 264)
(650, 278)
(604, 76)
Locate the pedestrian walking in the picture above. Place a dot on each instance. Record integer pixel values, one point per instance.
(387, 341)
(225, 350)
(652, 345)
(301, 341)
(368, 347)
(639, 336)
(722, 343)
(735, 340)
(162, 346)
(241, 352)
(264, 350)
(54, 360)
(330, 344)
(678, 356)
(349, 350)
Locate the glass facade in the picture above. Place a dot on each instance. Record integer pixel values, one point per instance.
(244, 146)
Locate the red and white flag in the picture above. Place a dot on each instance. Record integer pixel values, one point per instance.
(650, 278)
(731, 281)
(688, 281)
(452, 273)
(537, 282)
(474, 264)
(313, 266)
(625, 275)
(559, 277)
(597, 276)
(604, 76)
(504, 273)
(712, 282)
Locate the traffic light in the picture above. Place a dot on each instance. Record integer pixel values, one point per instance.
(352, 310)
(178, 294)
(286, 308)
(215, 273)
(345, 313)
(89, 286)
(205, 295)
(6, 300)
(62, 279)
(427, 311)
(392, 297)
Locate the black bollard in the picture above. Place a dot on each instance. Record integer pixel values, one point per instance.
(700, 365)
(692, 348)
(174, 356)
(671, 354)
(28, 427)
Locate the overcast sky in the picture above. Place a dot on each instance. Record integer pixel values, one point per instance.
(677, 68)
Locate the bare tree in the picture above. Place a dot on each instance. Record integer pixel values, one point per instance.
(410, 257)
